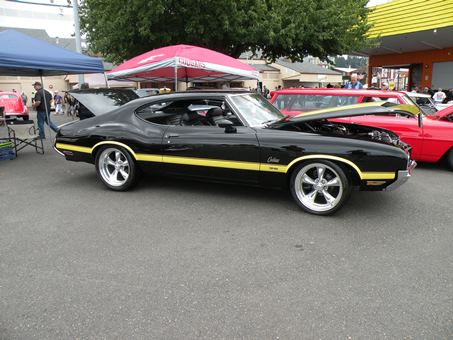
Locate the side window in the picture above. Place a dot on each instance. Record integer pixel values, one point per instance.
(187, 112)
(387, 99)
(165, 112)
(280, 102)
(371, 99)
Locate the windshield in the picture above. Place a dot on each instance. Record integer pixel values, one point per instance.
(309, 102)
(255, 109)
(408, 100)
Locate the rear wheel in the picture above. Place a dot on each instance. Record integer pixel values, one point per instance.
(116, 168)
(319, 187)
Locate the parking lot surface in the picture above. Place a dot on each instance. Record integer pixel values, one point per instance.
(175, 259)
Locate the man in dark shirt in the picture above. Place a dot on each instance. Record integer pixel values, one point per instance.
(42, 109)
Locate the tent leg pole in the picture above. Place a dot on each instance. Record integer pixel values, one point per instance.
(176, 77)
(106, 81)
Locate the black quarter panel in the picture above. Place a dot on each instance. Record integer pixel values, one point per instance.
(119, 126)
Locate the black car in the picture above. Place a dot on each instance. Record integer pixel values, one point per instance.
(240, 137)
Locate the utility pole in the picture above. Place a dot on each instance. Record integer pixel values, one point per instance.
(75, 9)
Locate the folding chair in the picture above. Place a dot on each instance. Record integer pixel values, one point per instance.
(23, 133)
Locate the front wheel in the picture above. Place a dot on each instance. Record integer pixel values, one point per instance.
(116, 168)
(319, 187)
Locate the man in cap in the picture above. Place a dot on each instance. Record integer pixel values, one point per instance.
(42, 108)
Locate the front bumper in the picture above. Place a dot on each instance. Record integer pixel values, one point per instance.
(55, 148)
(402, 176)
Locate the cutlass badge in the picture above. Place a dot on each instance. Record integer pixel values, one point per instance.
(273, 160)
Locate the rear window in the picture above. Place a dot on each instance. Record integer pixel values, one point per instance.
(308, 102)
(8, 96)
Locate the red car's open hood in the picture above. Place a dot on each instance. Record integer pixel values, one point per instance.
(443, 114)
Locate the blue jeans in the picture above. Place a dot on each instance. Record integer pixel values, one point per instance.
(42, 117)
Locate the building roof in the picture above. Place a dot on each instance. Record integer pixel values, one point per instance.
(307, 68)
(345, 69)
(264, 67)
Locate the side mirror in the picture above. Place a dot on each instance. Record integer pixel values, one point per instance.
(420, 119)
(227, 125)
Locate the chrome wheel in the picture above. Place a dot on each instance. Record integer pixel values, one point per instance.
(319, 187)
(114, 167)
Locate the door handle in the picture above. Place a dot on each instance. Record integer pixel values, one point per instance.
(171, 135)
(178, 148)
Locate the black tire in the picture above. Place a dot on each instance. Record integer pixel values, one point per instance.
(311, 190)
(106, 165)
(25, 117)
(450, 159)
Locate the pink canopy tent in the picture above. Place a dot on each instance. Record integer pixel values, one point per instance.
(183, 63)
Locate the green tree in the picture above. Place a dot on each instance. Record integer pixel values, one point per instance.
(121, 29)
(351, 61)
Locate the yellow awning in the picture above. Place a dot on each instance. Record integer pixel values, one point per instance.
(408, 16)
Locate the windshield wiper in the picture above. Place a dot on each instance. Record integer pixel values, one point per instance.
(270, 121)
(284, 118)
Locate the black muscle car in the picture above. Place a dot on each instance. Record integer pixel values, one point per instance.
(240, 137)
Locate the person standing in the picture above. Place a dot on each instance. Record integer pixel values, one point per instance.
(384, 86)
(439, 96)
(265, 92)
(24, 98)
(42, 108)
(58, 100)
(354, 83)
(66, 102)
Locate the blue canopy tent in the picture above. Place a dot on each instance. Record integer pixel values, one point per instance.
(21, 55)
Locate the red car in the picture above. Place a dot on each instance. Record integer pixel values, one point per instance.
(430, 143)
(14, 106)
(295, 101)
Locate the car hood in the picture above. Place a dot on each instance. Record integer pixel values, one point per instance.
(442, 114)
(375, 108)
(100, 101)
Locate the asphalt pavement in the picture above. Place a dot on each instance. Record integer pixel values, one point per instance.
(176, 259)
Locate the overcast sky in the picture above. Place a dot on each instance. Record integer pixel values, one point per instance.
(377, 2)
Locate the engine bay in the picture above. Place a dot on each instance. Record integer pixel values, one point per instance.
(329, 128)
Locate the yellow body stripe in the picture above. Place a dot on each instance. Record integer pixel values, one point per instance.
(128, 148)
(71, 147)
(148, 157)
(215, 163)
(273, 167)
(220, 163)
(378, 175)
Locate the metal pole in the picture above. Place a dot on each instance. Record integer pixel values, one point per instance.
(75, 10)
(106, 81)
(398, 79)
(176, 75)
